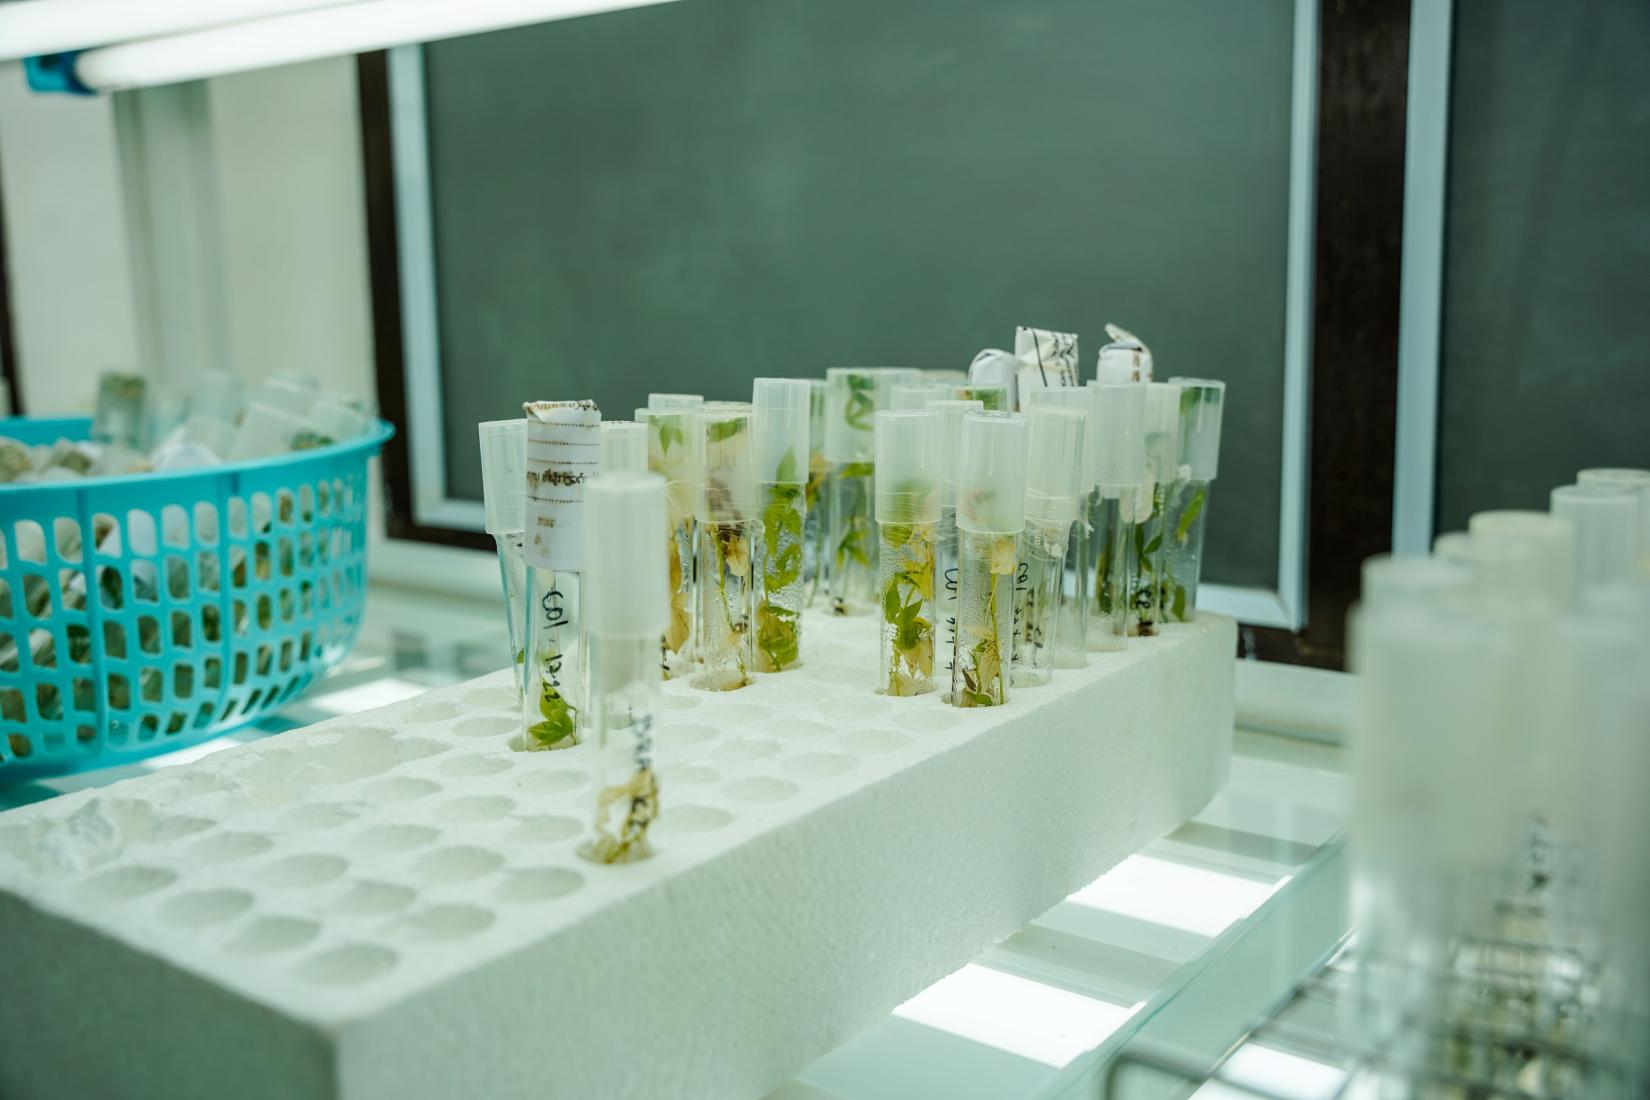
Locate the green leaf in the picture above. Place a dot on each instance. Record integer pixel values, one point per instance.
(1156, 544)
(1177, 607)
(891, 604)
(787, 472)
(720, 431)
(1183, 529)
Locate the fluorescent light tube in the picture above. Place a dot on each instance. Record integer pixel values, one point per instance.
(29, 28)
(327, 32)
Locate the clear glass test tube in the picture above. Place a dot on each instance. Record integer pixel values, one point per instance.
(1118, 413)
(504, 498)
(627, 604)
(851, 398)
(1162, 418)
(990, 514)
(948, 438)
(1072, 609)
(908, 512)
(1054, 469)
(781, 443)
(671, 454)
(553, 673)
(1201, 403)
(727, 540)
(816, 524)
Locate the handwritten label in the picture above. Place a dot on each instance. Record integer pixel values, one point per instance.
(1047, 360)
(563, 452)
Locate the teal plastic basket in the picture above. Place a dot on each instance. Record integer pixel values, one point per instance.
(142, 614)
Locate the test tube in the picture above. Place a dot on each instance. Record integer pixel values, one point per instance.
(1072, 613)
(1635, 481)
(781, 427)
(624, 446)
(948, 438)
(1201, 404)
(816, 527)
(991, 501)
(852, 398)
(993, 396)
(122, 412)
(1606, 522)
(1053, 470)
(1553, 539)
(908, 512)
(991, 378)
(1162, 419)
(670, 454)
(504, 500)
(1119, 420)
(1124, 359)
(727, 538)
(627, 607)
(563, 449)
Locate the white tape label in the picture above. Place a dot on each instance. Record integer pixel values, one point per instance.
(563, 452)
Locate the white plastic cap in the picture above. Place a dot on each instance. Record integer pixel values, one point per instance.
(781, 427)
(265, 431)
(670, 402)
(504, 475)
(1162, 431)
(626, 590)
(210, 432)
(1553, 540)
(907, 482)
(336, 420)
(671, 451)
(1202, 400)
(816, 417)
(214, 392)
(852, 397)
(726, 448)
(945, 376)
(1606, 521)
(991, 369)
(909, 395)
(1120, 429)
(1125, 359)
(624, 447)
(289, 394)
(1636, 480)
(1080, 398)
(991, 473)
(1054, 464)
(1414, 580)
(948, 441)
(1504, 573)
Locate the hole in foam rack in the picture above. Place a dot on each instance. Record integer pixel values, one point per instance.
(555, 781)
(199, 908)
(398, 788)
(431, 710)
(875, 741)
(310, 869)
(460, 864)
(383, 840)
(745, 749)
(820, 765)
(680, 735)
(315, 815)
(373, 899)
(538, 884)
(760, 788)
(543, 829)
(349, 965)
(688, 775)
(227, 847)
(692, 819)
(446, 922)
(474, 766)
(491, 698)
(487, 725)
(470, 809)
(272, 935)
(125, 883)
(929, 719)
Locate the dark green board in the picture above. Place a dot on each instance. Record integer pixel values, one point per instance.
(689, 196)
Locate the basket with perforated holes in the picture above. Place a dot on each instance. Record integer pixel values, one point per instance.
(142, 614)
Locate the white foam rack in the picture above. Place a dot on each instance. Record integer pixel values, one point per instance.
(390, 905)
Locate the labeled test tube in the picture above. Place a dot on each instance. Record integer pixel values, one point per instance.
(563, 449)
(781, 417)
(1162, 436)
(1119, 422)
(671, 454)
(1072, 613)
(624, 447)
(1053, 472)
(626, 609)
(504, 498)
(852, 398)
(991, 497)
(908, 512)
(727, 540)
(1201, 403)
(816, 527)
(948, 439)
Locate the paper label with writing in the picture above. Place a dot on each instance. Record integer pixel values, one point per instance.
(563, 452)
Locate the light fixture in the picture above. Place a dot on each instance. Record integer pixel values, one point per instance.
(29, 28)
(307, 35)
